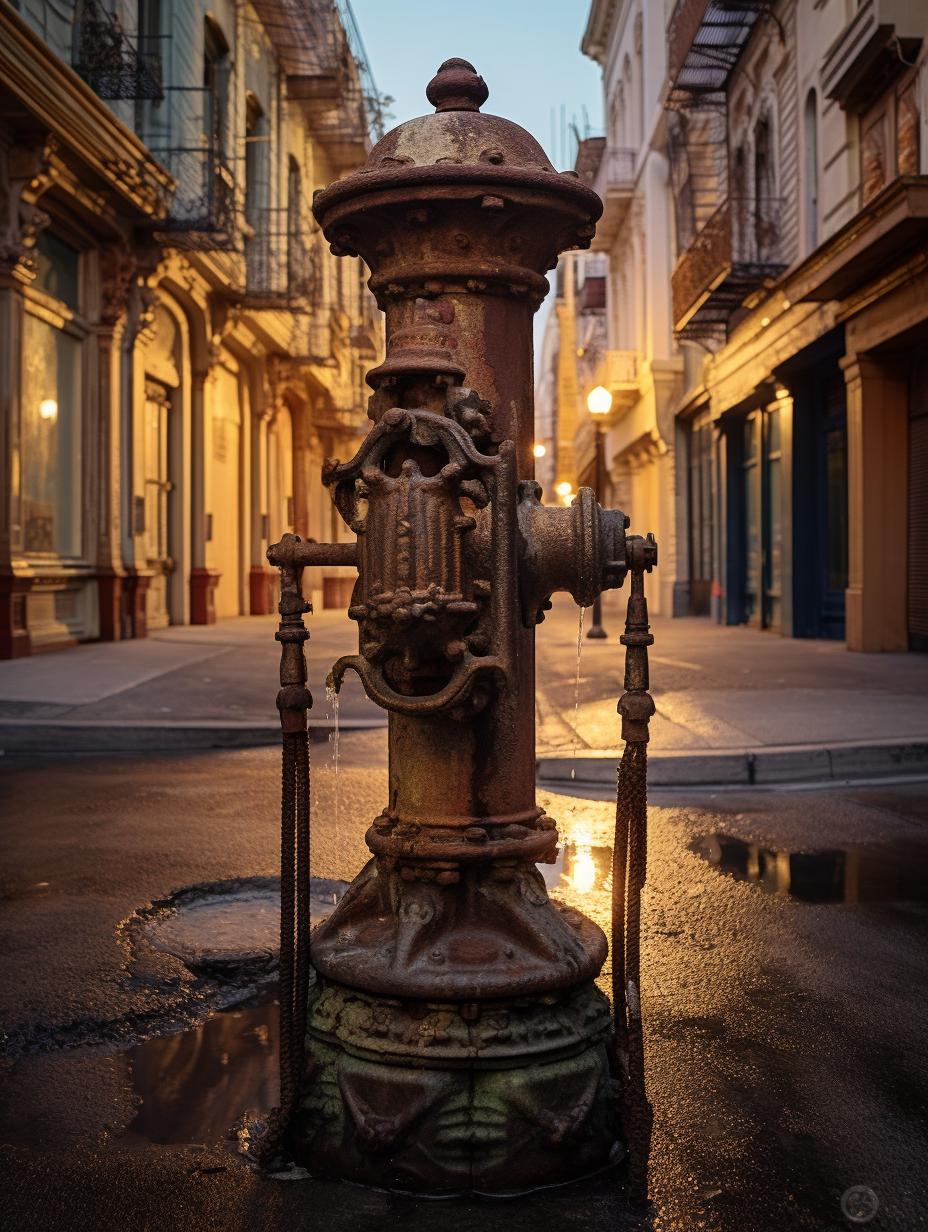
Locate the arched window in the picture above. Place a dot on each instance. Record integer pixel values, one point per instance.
(765, 204)
(631, 127)
(810, 172)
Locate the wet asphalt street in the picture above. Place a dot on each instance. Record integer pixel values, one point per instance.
(785, 953)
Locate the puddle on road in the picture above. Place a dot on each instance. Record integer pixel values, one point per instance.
(880, 872)
(196, 1085)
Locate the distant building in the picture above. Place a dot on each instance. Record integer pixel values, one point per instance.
(180, 351)
(639, 362)
(799, 163)
(764, 176)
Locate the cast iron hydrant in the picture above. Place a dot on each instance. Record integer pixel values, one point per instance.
(455, 1039)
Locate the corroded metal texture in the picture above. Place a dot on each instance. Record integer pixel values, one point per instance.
(456, 1040)
(453, 1098)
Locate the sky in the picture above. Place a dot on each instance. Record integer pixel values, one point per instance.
(527, 52)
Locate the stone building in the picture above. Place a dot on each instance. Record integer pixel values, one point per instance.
(639, 362)
(178, 349)
(799, 165)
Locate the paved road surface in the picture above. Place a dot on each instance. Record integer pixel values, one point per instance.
(785, 1037)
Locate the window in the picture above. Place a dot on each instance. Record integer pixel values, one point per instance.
(296, 256)
(889, 144)
(216, 88)
(765, 229)
(810, 162)
(256, 160)
(907, 151)
(51, 410)
(58, 269)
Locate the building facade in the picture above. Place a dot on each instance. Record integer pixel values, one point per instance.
(180, 351)
(639, 361)
(799, 156)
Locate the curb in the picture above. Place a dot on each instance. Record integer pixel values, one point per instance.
(811, 763)
(49, 738)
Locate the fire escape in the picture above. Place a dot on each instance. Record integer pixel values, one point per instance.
(727, 226)
(326, 73)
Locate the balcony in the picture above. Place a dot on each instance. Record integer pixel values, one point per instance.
(874, 48)
(614, 182)
(281, 264)
(735, 254)
(310, 43)
(891, 228)
(621, 378)
(202, 213)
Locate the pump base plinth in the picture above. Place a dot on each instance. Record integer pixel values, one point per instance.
(497, 1097)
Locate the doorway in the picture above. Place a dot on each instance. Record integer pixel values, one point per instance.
(820, 503)
(156, 500)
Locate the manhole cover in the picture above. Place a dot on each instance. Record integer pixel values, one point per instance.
(232, 927)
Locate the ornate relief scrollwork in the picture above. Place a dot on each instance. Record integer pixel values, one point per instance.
(26, 172)
(430, 513)
(118, 271)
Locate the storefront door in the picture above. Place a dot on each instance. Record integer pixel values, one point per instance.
(158, 488)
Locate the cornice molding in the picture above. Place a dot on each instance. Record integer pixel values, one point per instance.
(65, 105)
(595, 41)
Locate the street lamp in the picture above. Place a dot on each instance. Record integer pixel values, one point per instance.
(539, 450)
(599, 404)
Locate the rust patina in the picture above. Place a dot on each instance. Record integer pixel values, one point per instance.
(455, 1039)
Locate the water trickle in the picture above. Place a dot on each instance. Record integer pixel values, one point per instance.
(332, 697)
(576, 741)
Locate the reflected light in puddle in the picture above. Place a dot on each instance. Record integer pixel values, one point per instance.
(582, 875)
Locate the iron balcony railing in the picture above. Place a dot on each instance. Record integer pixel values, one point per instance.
(203, 210)
(281, 261)
(189, 133)
(733, 254)
(107, 60)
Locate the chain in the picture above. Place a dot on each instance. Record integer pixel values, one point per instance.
(629, 869)
(293, 701)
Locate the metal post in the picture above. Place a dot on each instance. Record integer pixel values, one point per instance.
(596, 629)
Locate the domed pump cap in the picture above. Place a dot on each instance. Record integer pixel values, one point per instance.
(457, 86)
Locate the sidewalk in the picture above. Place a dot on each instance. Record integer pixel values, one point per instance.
(191, 686)
(734, 706)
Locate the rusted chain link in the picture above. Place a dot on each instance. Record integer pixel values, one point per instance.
(629, 869)
(293, 701)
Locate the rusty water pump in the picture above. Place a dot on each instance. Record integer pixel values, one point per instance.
(454, 1038)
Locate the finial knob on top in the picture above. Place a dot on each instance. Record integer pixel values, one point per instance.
(457, 86)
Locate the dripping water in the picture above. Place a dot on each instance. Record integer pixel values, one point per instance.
(576, 740)
(332, 698)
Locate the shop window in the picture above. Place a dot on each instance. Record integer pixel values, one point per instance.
(57, 269)
(50, 439)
